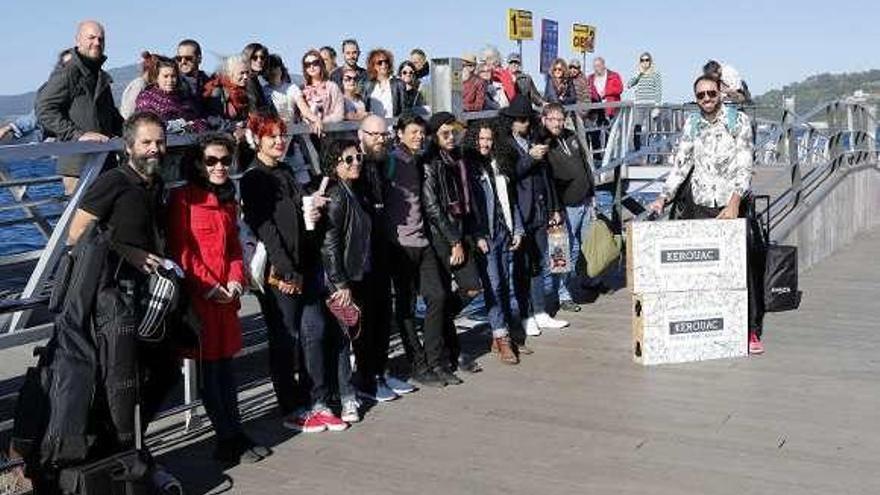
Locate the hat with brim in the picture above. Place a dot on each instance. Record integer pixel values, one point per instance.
(440, 119)
(469, 58)
(519, 108)
(514, 57)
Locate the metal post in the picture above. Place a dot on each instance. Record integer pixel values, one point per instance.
(519, 47)
(58, 240)
(192, 420)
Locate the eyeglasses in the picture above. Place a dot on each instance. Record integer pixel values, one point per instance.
(377, 134)
(258, 56)
(185, 58)
(703, 94)
(383, 61)
(211, 161)
(313, 63)
(645, 60)
(351, 159)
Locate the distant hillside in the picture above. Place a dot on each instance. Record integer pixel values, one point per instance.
(819, 89)
(15, 105)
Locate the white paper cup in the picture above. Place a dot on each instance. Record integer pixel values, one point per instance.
(308, 207)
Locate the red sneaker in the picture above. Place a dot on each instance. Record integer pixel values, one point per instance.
(330, 421)
(755, 345)
(308, 422)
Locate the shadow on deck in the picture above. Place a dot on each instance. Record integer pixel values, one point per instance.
(579, 417)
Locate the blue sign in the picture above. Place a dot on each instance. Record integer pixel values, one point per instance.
(549, 44)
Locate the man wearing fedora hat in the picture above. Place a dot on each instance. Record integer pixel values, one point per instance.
(538, 202)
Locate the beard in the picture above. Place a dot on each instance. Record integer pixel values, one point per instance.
(147, 165)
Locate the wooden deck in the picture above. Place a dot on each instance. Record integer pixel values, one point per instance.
(579, 417)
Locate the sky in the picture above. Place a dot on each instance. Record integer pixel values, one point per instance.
(770, 42)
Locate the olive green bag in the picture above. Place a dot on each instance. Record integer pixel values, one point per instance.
(601, 248)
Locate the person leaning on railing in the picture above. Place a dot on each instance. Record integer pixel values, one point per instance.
(712, 172)
(323, 95)
(166, 97)
(76, 103)
(203, 240)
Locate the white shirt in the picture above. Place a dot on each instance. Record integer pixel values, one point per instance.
(284, 98)
(599, 82)
(381, 103)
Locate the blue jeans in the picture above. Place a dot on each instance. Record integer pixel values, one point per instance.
(577, 220)
(495, 274)
(297, 323)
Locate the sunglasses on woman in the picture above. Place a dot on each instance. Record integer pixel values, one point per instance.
(383, 61)
(211, 161)
(258, 56)
(406, 73)
(351, 159)
(349, 79)
(646, 60)
(313, 63)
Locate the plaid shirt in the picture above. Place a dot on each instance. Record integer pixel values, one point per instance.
(720, 158)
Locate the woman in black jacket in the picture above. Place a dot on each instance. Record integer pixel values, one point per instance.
(293, 304)
(383, 93)
(346, 252)
(257, 58)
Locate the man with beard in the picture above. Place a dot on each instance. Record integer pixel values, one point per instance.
(351, 52)
(127, 201)
(371, 349)
(76, 104)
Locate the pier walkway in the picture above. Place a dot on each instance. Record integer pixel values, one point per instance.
(579, 417)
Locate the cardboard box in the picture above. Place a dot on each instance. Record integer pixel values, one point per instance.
(678, 327)
(686, 255)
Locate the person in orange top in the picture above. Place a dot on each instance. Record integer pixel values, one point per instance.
(203, 240)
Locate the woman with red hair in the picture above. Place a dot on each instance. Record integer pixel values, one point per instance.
(384, 94)
(323, 95)
(273, 205)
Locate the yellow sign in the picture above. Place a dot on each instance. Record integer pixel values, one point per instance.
(519, 24)
(583, 38)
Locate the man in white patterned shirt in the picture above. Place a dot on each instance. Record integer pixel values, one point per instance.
(716, 151)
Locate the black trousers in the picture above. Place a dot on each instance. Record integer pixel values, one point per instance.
(754, 265)
(418, 271)
(467, 280)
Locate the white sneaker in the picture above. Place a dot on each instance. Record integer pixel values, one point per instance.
(350, 412)
(546, 321)
(532, 328)
(400, 387)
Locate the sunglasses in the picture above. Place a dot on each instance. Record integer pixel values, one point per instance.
(406, 73)
(703, 94)
(574, 67)
(351, 159)
(258, 56)
(185, 58)
(349, 78)
(383, 61)
(313, 63)
(646, 60)
(558, 69)
(211, 161)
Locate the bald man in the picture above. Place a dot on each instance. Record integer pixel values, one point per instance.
(76, 103)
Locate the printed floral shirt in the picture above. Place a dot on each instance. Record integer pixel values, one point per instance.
(721, 159)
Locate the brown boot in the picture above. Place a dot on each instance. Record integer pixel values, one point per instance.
(505, 350)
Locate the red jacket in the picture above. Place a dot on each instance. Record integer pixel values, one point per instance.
(203, 240)
(507, 80)
(613, 90)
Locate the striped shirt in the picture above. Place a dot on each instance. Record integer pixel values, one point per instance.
(648, 87)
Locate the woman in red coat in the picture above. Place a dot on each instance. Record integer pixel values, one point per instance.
(203, 238)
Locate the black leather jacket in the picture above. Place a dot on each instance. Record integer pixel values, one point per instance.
(442, 194)
(347, 236)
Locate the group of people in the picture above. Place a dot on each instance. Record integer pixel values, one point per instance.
(434, 208)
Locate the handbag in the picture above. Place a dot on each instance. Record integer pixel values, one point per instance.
(602, 247)
(254, 256)
(777, 263)
(559, 250)
(349, 316)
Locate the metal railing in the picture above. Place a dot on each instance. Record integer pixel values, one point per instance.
(808, 153)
